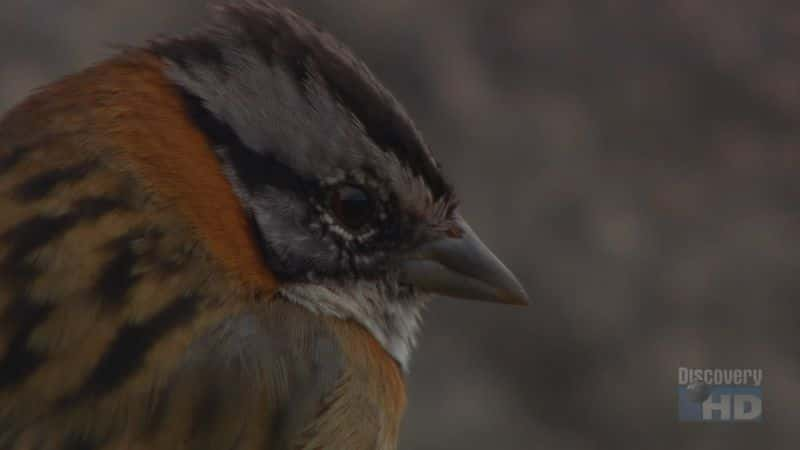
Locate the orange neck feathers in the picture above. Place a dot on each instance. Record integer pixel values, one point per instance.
(137, 115)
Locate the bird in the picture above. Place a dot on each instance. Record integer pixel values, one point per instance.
(222, 240)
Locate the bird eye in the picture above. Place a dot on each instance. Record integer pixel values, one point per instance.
(352, 206)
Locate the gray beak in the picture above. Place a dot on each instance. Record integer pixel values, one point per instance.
(462, 267)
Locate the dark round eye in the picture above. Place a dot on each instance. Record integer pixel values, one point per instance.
(352, 206)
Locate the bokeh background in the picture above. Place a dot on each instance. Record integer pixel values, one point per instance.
(635, 162)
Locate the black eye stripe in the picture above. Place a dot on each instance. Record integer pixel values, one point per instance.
(253, 169)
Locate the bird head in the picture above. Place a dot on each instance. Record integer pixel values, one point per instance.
(351, 210)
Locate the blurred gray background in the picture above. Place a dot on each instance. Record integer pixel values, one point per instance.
(635, 162)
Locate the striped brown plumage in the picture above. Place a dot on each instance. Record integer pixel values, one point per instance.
(135, 308)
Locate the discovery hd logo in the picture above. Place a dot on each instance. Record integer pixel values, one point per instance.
(720, 395)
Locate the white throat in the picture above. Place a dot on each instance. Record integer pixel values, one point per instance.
(394, 323)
